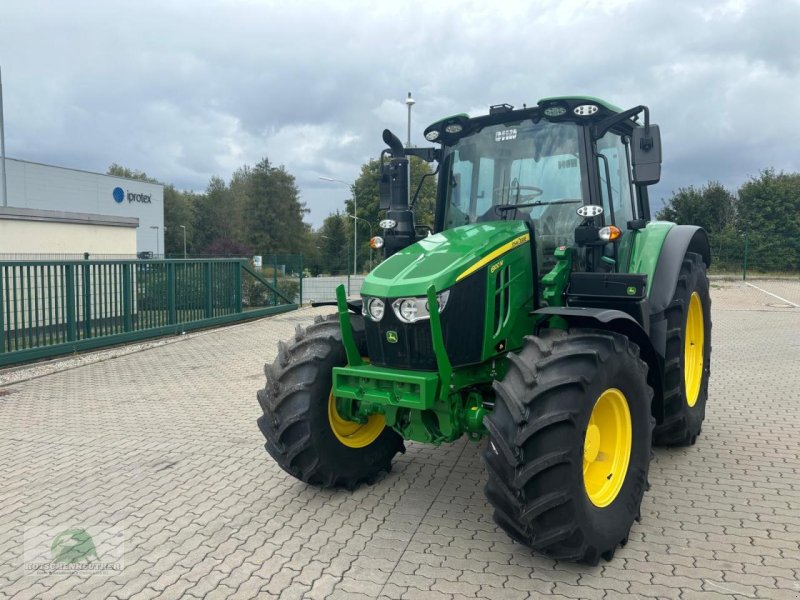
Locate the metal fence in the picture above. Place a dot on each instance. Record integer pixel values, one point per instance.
(752, 254)
(48, 308)
(323, 287)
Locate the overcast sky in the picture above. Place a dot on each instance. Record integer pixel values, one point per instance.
(186, 90)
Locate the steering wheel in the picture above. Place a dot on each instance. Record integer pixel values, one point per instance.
(533, 192)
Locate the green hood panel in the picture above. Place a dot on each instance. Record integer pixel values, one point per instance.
(440, 259)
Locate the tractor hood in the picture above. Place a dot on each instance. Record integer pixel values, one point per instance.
(444, 258)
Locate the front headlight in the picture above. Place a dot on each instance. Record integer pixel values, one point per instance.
(373, 308)
(407, 310)
(410, 310)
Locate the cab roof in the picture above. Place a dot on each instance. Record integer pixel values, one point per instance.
(555, 108)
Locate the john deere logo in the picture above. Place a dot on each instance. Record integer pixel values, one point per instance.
(631, 291)
(73, 547)
(391, 337)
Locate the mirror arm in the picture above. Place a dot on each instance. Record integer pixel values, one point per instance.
(601, 128)
(419, 185)
(429, 154)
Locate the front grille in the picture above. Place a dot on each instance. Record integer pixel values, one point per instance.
(413, 349)
(462, 327)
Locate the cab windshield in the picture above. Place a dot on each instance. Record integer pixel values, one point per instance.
(525, 170)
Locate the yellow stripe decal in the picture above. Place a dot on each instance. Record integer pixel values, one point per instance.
(499, 252)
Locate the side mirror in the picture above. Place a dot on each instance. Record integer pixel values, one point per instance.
(646, 155)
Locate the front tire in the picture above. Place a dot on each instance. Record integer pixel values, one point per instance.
(569, 444)
(687, 363)
(305, 434)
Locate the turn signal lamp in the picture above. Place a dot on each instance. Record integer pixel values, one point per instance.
(610, 233)
(376, 242)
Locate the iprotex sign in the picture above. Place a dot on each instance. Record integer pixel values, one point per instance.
(120, 195)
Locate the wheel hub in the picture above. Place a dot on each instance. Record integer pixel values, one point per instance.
(607, 447)
(350, 433)
(693, 349)
(591, 447)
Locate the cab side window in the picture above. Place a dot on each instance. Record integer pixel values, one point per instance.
(613, 149)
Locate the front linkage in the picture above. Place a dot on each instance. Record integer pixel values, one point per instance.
(423, 406)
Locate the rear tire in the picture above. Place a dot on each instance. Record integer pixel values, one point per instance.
(684, 395)
(296, 422)
(538, 448)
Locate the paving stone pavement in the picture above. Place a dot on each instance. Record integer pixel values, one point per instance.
(163, 444)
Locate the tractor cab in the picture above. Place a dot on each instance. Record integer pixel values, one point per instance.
(540, 165)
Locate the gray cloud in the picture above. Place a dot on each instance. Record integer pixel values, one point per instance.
(187, 90)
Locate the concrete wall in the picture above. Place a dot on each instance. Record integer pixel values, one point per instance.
(25, 231)
(36, 186)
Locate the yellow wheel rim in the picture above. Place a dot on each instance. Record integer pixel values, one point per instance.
(350, 433)
(693, 351)
(607, 447)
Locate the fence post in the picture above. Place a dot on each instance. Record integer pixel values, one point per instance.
(172, 312)
(72, 325)
(87, 299)
(208, 295)
(301, 280)
(744, 268)
(237, 286)
(275, 278)
(348, 285)
(127, 296)
(2, 312)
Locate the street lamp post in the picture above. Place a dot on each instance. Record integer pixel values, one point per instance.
(355, 211)
(157, 246)
(184, 241)
(370, 236)
(3, 144)
(409, 102)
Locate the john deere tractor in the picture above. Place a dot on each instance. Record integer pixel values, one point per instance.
(544, 311)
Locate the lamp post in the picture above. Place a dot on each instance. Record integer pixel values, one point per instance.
(184, 241)
(409, 102)
(3, 143)
(355, 211)
(156, 228)
(370, 236)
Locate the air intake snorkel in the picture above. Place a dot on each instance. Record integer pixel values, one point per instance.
(394, 195)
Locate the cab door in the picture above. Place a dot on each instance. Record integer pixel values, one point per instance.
(617, 193)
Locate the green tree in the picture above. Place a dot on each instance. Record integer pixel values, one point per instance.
(272, 211)
(333, 244)
(769, 212)
(214, 217)
(178, 213)
(712, 207)
(120, 171)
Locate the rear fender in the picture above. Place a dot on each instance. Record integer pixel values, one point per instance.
(680, 240)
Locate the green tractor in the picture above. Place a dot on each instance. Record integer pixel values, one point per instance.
(544, 311)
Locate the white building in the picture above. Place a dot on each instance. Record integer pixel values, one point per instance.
(54, 210)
